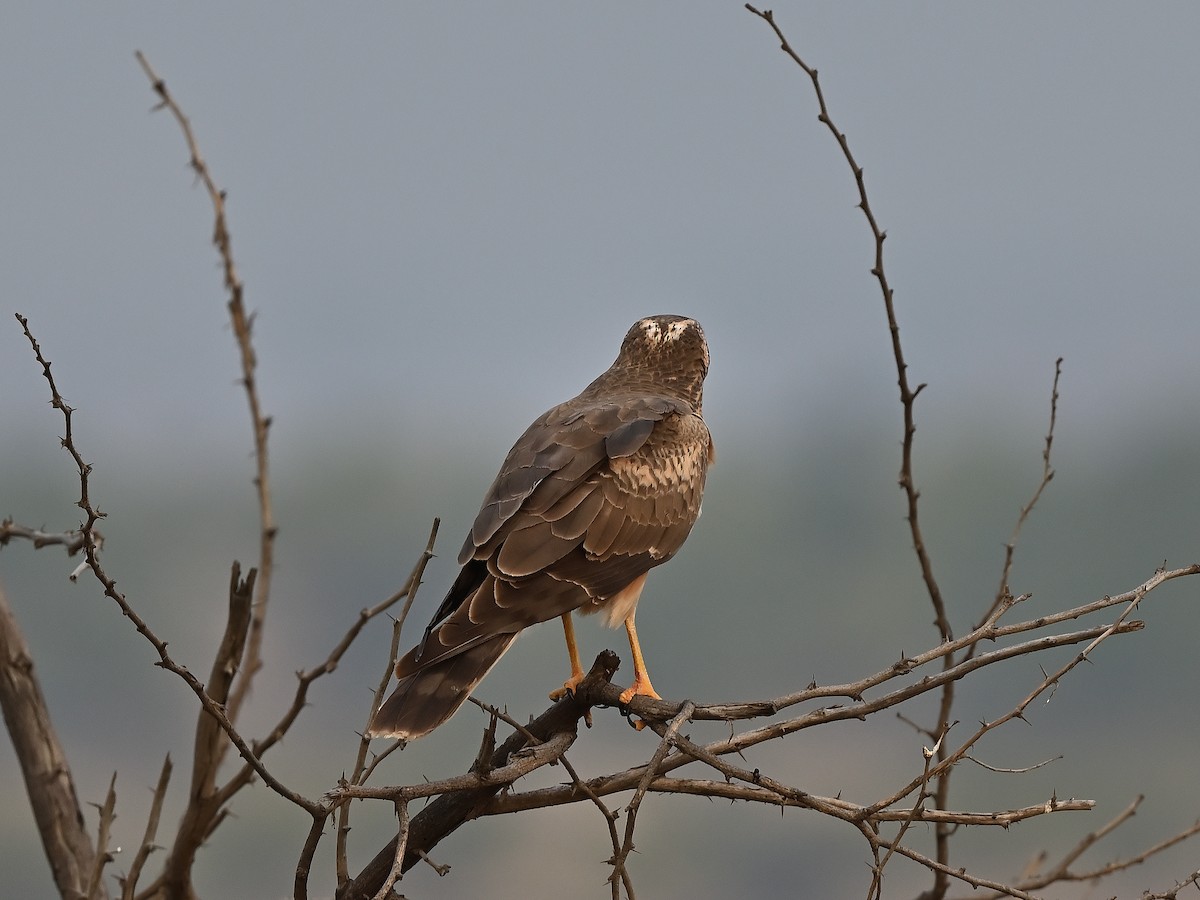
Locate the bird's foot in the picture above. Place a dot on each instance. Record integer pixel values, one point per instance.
(569, 686)
(641, 687)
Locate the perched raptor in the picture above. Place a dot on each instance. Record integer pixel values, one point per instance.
(596, 492)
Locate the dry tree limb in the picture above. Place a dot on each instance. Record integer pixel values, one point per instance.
(165, 661)
(908, 395)
(108, 815)
(629, 779)
(71, 541)
(759, 787)
(950, 661)
(701, 787)
(949, 873)
(668, 737)
(484, 775)
(397, 869)
(1033, 879)
(616, 880)
(225, 668)
(148, 846)
(610, 817)
(1062, 872)
(948, 759)
(876, 889)
(44, 765)
(468, 795)
(261, 423)
(239, 658)
(361, 771)
(1193, 879)
(1010, 548)
(461, 798)
(203, 812)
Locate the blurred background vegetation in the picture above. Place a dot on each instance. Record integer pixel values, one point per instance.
(799, 569)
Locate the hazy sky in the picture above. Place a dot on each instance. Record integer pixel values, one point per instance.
(446, 216)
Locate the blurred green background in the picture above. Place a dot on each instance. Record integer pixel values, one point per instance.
(446, 219)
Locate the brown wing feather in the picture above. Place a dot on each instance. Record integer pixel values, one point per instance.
(584, 530)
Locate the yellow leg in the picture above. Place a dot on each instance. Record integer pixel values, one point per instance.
(641, 686)
(577, 673)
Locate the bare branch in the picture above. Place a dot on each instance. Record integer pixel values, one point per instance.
(307, 852)
(385, 891)
(1047, 474)
(91, 551)
(361, 771)
(444, 815)
(1014, 770)
(908, 398)
(876, 888)
(668, 736)
(701, 787)
(44, 766)
(148, 846)
(1193, 879)
(71, 541)
(530, 759)
(907, 394)
(261, 423)
(108, 814)
(203, 810)
(1061, 871)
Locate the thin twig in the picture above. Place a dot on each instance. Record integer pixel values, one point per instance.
(401, 847)
(307, 852)
(91, 551)
(261, 423)
(908, 396)
(876, 888)
(71, 541)
(45, 768)
(129, 882)
(361, 771)
(667, 740)
(1002, 818)
(530, 760)
(1047, 475)
(108, 814)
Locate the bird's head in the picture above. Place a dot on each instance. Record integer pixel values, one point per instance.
(669, 352)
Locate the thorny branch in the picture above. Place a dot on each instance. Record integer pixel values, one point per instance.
(71, 541)
(942, 871)
(908, 395)
(91, 551)
(740, 783)
(239, 652)
(362, 770)
(261, 423)
(202, 814)
(148, 845)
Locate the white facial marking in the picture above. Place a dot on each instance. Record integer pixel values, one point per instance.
(655, 334)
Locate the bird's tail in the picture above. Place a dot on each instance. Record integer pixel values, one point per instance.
(428, 697)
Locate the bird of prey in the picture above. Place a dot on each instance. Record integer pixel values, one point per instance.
(597, 492)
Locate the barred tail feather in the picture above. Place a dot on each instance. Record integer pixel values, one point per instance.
(428, 697)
